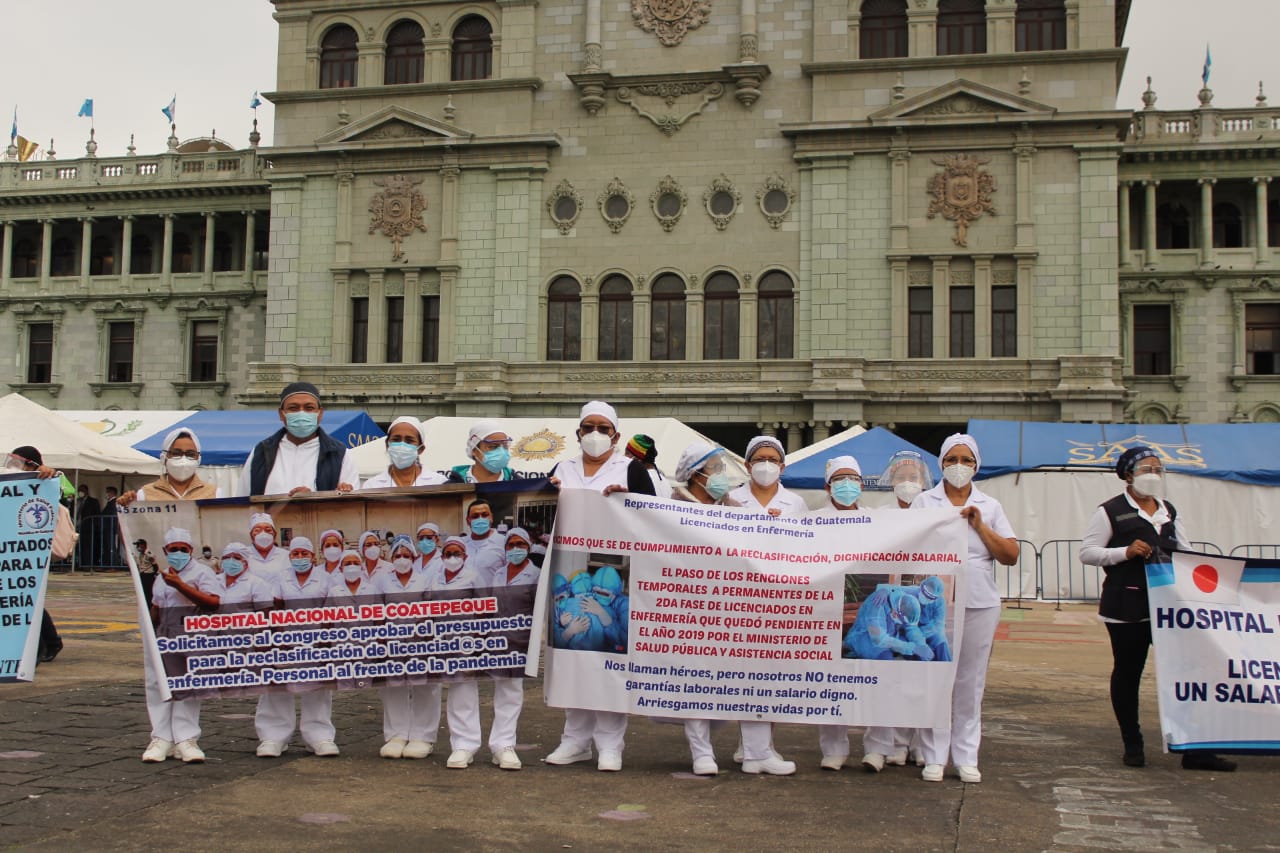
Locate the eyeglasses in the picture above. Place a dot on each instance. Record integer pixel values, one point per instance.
(183, 454)
(847, 478)
(494, 445)
(604, 429)
(1149, 469)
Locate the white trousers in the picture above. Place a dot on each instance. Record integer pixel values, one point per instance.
(757, 739)
(176, 720)
(463, 710)
(411, 711)
(274, 719)
(885, 740)
(965, 733)
(698, 733)
(833, 740)
(508, 699)
(607, 729)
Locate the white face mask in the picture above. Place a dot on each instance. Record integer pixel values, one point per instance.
(373, 552)
(1149, 485)
(765, 474)
(595, 444)
(264, 540)
(453, 563)
(958, 475)
(402, 564)
(181, 469)
(332, 553)
(906, 491)
(352, 572)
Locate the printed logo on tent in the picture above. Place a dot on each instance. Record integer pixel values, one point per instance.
(1097, 453)
(543, 444)
(1212, 580)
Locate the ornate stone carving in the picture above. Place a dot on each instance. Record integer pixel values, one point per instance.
(670, 20)
(591, 57)
(962, 276)
(721, 200)
(397, 210)
(748, 47)
(564, 205)
(616, 204)
(649, 377)
(961, 193)
(920, 277)
(775, 198)
(668, 202)
(967, 375)
(396, 130)
(1004, 277)
(670, 92)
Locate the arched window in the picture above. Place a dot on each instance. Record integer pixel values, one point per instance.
(1228, 226)
(404, 60)
(1173, 226)
(962, 27)
(564, 320)
(183, 258)
(338, 58)
(1040, 25)
(472, 49)
(666, 324)
(25, 259)
(615, 319)
(223, 256)
(102, 256)
(883, 30)
(720, 317)
(775, 316)
(63, 260)
(142, 259)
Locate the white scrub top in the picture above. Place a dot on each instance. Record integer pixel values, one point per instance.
(788, 504)
(312, 593)
(340, 593)
(271, 567)
(389, 586)
(982, 576)
(612, 473)
(197, 575)
(246, 589)
(383, 480)
(466, 578)
(527, 575)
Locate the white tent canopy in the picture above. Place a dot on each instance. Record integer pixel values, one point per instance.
(65, 444)
(537, 444)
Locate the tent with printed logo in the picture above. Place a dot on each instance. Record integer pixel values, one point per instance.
(65, 444)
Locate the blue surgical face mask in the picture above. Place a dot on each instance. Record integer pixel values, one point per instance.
(402, 454)
(516, 556)
(300, 564)
(480, 526)
(178, 559)
(495, 460)
(232, 567)
(427, 546)
(718, 485)
(846, 492)
(302, 424)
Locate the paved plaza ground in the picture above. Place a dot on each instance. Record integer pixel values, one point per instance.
(71, 778)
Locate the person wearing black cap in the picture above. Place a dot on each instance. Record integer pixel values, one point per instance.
(29, 459)
(1126, 532)
(299, 457)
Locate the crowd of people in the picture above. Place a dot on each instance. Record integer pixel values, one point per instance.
(590, 609)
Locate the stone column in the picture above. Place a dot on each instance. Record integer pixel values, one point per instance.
(1000, 28)
(369, 64)
(342, 219)
(1024, 221)
(166, 252)
(748, 324)
(86, 244)
(643, 301)
(1261, 252)
(1206, 220)
(412, 335)
(591, 50)
(1125, 259)
(941, 306)
(208, 248)
(982, 306)
(589, 334)
(899, 227)
(6, 257)
(377, 337)
(821, 431)
(791, 437)
(46, 252)
(126, 248)
(693, 332)
(1149, 223)
(340, 352)
(250, 235)
(922, 31)
(448, 217)
(448, 314)
(747, 40)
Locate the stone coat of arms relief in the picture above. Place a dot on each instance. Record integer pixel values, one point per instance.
(961, 193)
(397, 210)
(670, 20)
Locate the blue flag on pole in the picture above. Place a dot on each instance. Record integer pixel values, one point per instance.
(171, 110)
(255, 101)
(86, 109)
(1208, 63)
(13, 132)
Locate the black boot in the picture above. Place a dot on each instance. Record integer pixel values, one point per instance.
(1201, 760)
(1134, 756)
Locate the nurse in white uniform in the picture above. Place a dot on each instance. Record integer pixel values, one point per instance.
(239, 589)
(598, 467)
(463, 708)
(508, 693)
(990, 538)
(410, 712)
(370, 548)
(405, 446)
(428, 543)
(267, 560)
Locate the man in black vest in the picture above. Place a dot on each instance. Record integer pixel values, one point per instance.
(1126, 532)
(299, 457)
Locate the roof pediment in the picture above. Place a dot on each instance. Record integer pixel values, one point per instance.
(391, 125)
(962, 100)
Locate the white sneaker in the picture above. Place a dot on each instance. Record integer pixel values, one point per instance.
(272, 749)
(705, 766)
(916, 757)
(189, 751)
(609, 760)
(324, 749)
(460, 759)
(833, 762)
(417, 749)
(969, 773)
(931, 773)
(158, 750)
(898, 758)
(393, 748)
(507, 759)
(873, 761)
(772, 765)
(567, 753)
(737, 753)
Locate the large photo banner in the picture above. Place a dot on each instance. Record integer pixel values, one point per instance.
(684, 610)
(28, 517)
(336, 591)
(1215, 624)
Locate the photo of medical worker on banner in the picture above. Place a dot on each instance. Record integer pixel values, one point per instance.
(591, 608)
(890, 617)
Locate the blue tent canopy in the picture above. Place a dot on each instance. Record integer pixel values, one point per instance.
(226, 437)
(1243, 453)
(872, 449)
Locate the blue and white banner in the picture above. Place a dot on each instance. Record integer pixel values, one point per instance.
(28, 516)
(1215, 624)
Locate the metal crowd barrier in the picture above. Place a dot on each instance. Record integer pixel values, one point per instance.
(1264, 552)
(1022, 579)
(98, 548)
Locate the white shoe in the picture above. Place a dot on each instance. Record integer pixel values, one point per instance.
(969, 773)
(610, 760)
(873, 762)
(833, 762)
(272, 749)
(393, 748)
(567, 753)
(417, 749)
(324, 749)
(507, 759)
(705, 766)
(158, 750)
(737, 753)
(773, 765)
(916, 757)
(189, 751)
(931, 773)
(898, 758)
(460, 759)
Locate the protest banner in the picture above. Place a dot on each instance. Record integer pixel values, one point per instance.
(685, 610)
(276, 629)
(1215, 625)
(28, 516)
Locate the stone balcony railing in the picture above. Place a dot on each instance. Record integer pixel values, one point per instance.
(1206, 125)
(105, 173)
